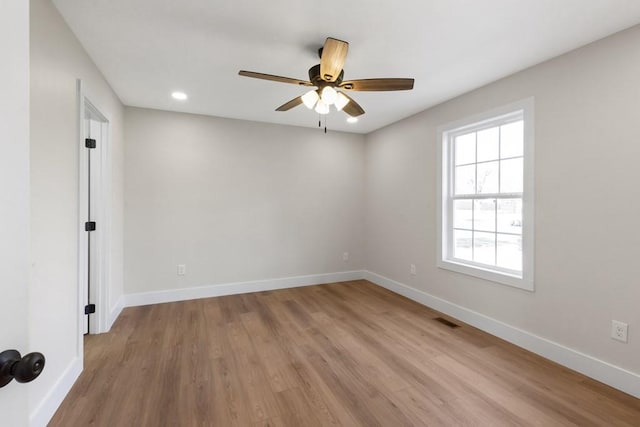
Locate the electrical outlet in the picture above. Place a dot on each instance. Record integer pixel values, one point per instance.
(412, 269)
(619, 330)
(345, 256)
(182, 269)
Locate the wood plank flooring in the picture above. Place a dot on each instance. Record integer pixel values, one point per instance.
(343, 354)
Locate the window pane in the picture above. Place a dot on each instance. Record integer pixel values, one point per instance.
(484, 215)
(510, 176)
(465, 179)
(462, 214)
(510, 216)
(488, 147)
(511, 139)
(465, 146)
(488, 177)
(484, 248)
(462, 244)
(510, 252)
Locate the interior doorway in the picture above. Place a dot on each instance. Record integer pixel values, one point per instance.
(94, 214)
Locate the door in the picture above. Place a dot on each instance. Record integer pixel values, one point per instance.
(94, 214)
(14, 196)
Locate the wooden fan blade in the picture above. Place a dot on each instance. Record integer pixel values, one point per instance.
(352, 108)
(274, 78)
(378, 84)
(289, 105)
(334, 54)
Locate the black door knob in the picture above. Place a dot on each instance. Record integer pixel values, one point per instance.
(23, 369)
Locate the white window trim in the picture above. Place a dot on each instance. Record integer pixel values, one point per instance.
(524, 281)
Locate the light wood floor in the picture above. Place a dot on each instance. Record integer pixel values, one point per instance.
(349, 354)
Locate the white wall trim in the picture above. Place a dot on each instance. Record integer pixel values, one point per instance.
(43, 413)
(115, 312)
(157, 297)
(619, 378)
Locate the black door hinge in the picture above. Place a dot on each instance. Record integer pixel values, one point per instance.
(90, 143)
(89, 309)
(90, 226)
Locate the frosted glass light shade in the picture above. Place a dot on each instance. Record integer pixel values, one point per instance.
(310, 98)
(329, 95)
(341, 101)
(321, 107)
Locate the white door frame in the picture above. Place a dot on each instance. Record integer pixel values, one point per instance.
(101, 193)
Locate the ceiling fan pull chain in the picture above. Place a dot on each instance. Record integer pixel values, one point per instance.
(319, 120)
(325, 124)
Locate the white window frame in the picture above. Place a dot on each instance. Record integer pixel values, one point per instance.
(446, 133)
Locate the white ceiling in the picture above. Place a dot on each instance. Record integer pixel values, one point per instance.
(149, 48)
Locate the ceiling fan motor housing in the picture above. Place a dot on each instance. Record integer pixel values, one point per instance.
(314, 77)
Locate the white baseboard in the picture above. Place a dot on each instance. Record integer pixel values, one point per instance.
(115, 312)
(626, 381)
(157, 297)
(43, 413)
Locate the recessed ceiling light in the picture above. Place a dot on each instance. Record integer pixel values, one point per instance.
(352, 119)
(180, 96)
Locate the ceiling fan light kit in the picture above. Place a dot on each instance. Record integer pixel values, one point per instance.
(329, 95)
(341, 101)
(322, 107)
(327, 77)
(310, 98)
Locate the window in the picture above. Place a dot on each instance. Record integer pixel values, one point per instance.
(486, 203)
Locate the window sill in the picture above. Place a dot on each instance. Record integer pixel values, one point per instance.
(486, 274)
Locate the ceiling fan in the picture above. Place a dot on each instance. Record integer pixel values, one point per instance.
(328, 78)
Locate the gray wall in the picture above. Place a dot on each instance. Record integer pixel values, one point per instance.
(587, 106)
(57, 60)
(237, 201)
